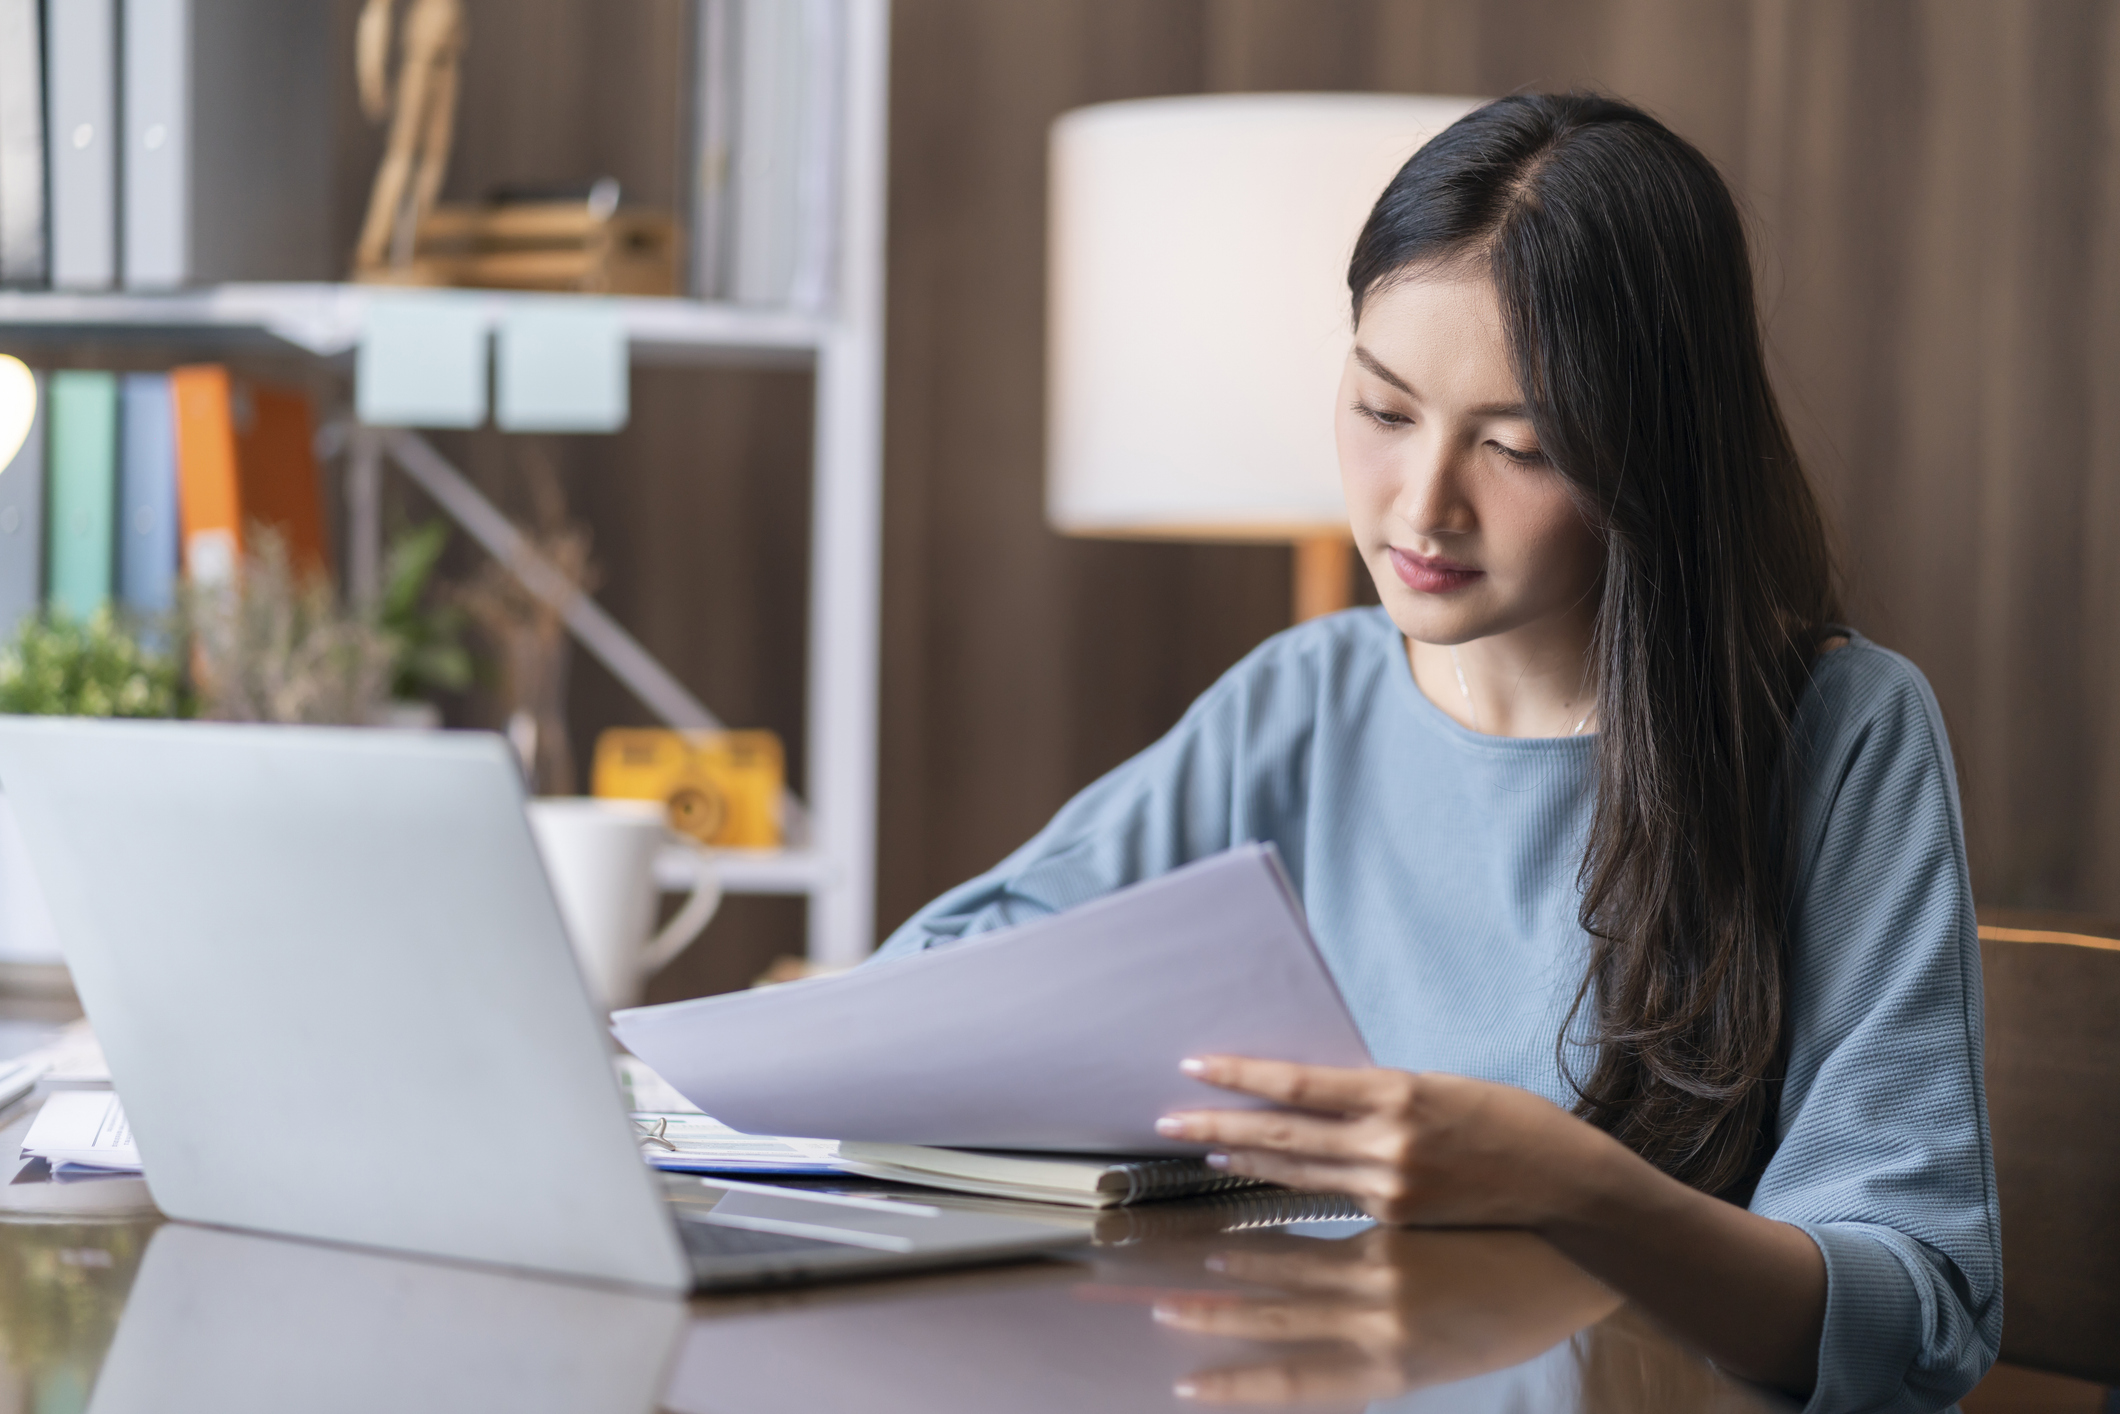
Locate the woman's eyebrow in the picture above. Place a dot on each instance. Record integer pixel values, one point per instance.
(1371, 362)
(1375, 365)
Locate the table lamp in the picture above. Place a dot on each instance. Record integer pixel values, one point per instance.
(1197, 314)
(18, 407)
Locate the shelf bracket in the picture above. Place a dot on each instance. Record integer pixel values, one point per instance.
(593, 627)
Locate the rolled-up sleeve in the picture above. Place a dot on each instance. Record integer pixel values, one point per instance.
(1883, 1155)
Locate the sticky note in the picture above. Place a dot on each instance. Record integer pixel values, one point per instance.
(422, 362)
(560, 366)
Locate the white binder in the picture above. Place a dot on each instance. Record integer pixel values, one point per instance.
(227, 162)
(21, 143)
(81, 59)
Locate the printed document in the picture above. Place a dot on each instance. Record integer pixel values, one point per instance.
(82, 1129)
(1064, 1033)
(693, 1143)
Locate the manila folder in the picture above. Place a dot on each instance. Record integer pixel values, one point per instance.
(1063, 1033)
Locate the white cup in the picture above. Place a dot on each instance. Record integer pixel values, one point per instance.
(600, 857)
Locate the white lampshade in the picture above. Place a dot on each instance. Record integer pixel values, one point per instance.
(1198, 306)
(18, 406)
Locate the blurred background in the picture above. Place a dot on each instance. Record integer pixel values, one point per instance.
(1935, 199)
(1934, 191)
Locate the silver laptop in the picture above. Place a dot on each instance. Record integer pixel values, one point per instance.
(337, 998)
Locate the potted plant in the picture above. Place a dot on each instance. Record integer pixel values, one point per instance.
(272, 644)
(426, 629)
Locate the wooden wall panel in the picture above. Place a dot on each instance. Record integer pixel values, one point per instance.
(1017, 665)
(1935, 189)
(1935, 194)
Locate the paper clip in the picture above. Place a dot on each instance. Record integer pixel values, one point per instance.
(655, 1135)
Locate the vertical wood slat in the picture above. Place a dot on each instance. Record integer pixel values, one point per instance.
(1016, 665)
(2100, 644)
(1939, 276)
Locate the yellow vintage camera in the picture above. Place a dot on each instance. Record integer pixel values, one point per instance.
(721, 788)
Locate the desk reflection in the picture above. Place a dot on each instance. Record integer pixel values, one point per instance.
(233, 1323)
(1320, 1316)
(1212, 1304)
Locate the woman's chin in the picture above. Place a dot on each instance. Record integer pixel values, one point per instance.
(1426, 618)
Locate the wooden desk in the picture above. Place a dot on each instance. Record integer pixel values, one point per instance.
(94, 1284)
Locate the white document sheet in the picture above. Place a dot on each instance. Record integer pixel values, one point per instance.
(84, 1129)
(1062, 1034)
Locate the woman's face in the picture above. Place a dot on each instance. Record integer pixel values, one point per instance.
(1468, 530)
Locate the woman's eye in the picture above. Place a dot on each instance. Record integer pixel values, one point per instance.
(1522, 457)
(1383, 417)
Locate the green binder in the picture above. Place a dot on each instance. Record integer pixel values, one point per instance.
(83, 491)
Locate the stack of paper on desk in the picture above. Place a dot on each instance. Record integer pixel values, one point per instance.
(1060, 1034)
(693, 1143)
(82, 1129)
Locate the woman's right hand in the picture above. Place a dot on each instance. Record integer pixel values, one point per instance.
(1381, 1312)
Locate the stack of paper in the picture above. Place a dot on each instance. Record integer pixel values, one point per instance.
(1080, 1181)
(83, 1129)
(1061, 1034)
(693, 1143)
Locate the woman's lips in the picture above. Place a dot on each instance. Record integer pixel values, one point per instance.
(1431, 574)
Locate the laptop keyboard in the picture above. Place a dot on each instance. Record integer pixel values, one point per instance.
(710, 1240)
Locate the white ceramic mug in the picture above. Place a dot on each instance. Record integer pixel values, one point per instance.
(600, 856)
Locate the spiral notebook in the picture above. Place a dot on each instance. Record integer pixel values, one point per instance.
(1081, 1181)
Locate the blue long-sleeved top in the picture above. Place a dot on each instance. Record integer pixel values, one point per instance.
(1439, 870)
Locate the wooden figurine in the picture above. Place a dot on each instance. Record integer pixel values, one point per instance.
(422, 113)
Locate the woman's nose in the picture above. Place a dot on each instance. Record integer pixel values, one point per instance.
(1432, 502)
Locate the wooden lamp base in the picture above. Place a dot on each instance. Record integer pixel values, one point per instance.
(1322, 581)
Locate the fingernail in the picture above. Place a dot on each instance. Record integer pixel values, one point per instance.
(1171, 1126)
(1193, 1065)
(1185, 1389)
(1217, 1263)
(1218, 1161)
(1164, 1313)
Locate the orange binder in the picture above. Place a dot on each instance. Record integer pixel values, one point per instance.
(244, 457)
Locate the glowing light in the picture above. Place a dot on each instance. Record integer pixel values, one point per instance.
(18, 407)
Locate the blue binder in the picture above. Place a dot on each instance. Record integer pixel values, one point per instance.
(147, 495)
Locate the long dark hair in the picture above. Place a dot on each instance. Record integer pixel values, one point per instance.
(1626, 292)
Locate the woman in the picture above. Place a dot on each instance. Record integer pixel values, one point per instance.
(1644, 881)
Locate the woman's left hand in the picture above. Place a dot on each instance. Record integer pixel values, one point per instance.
(1429, 1149)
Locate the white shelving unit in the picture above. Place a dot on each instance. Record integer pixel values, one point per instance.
(834, 866)
(327, 320)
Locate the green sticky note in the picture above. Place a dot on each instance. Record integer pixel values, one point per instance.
(559, 365)
(422, 362)
(82, 499)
